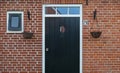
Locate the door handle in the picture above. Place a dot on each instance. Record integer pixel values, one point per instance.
(47, 49)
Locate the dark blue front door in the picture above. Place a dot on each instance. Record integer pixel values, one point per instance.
(62, 44)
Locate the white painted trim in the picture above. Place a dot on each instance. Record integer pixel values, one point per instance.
(15, 12)
(62, 5)
(43, 39)
(43, 29)
(75, 15)
(81, 39)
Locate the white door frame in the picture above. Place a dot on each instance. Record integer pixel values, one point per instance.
(55, 15)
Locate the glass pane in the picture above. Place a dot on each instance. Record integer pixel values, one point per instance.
(74, 10)
(14, 21)
(62, 10)
(50, 10)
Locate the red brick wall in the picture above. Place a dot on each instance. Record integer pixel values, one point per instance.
(19, 55)
(100, 55)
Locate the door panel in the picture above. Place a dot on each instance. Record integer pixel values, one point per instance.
(62, 44)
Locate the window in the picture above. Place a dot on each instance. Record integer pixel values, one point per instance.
(60, 10)
(50, 10)
(14, 22)
(74, 10)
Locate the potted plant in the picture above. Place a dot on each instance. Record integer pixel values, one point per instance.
(96, 33)
(27, 35)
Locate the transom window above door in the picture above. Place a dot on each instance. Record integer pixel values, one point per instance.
(60, 10)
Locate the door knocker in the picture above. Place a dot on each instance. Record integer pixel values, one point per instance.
(62, 29)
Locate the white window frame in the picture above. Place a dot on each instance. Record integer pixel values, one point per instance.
(63, 15)
(22, 21)
(55, 15)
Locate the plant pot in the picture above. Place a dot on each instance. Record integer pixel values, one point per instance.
(27, 35)
(95, 34)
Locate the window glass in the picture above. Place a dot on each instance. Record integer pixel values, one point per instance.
(50, 10)
(62, 10)
(74, 10)
(14, 22)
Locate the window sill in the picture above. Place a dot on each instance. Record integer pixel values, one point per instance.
(14, 31)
